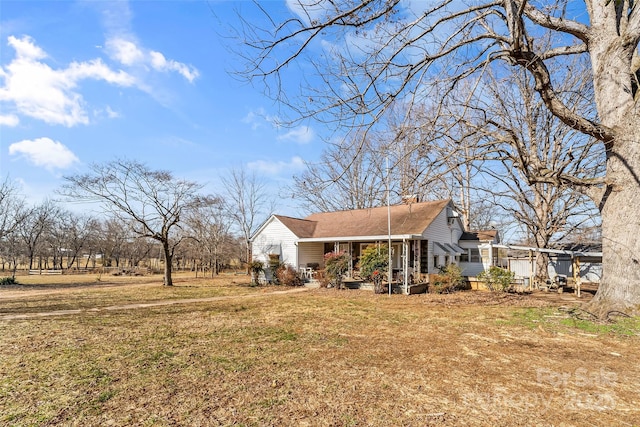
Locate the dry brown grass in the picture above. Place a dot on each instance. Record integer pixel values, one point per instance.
(318, 358)
(68, 292)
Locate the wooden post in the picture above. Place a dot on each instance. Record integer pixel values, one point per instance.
(576, 274)
(531, 270)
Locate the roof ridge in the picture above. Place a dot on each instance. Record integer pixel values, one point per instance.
(445, 201)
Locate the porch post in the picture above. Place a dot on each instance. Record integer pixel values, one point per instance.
(350, 259)
(405, 265)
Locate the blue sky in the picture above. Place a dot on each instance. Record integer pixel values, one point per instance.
(89, 81)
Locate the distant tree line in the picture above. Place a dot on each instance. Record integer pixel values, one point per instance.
(144, 219)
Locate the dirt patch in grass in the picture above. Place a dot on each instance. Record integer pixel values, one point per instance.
(323, 358)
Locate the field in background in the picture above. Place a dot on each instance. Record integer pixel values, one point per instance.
(320, 357)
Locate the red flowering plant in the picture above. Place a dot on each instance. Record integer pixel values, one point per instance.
(374, 258)
(374, 263)
(377, 282)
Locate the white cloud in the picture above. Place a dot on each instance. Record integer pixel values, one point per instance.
(112, 114)
(107, 112)
(275, 168)
(26, 49)
(300, 135)
(309, 10)
(160, 63)
(9, 120)
(123, 46)
(256, 118)
(117, 16)
(48, 94)
(35, 89)
(252, 119)
(124, 51)
(44, 152)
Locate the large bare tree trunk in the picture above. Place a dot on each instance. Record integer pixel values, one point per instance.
(168, 260)
(620, 284)
(611, 56)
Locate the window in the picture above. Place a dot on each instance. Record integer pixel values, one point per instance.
(465, 256)
(475, 255)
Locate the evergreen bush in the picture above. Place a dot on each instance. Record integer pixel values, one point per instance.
(497, 279)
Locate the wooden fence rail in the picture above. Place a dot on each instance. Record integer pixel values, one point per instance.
(34, 272)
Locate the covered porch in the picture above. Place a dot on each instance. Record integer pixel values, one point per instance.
(409, 257)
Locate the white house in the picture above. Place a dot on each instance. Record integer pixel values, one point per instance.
(424, 236)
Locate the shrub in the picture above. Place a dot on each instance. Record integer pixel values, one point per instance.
(274, 266)
(374, 259)
(497, 279)
(6, 281)
(376, 277)
(335, 265)
(288, 276)
(448, 280)
(256, 268)
(273, 270)
(322, 279)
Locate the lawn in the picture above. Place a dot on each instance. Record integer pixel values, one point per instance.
(68, 292)
(316, 358)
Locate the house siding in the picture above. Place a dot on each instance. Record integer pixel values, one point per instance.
(470, 269)
(440, 231)
(311, 252)
(275, 238)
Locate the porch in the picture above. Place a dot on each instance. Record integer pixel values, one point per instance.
(354, 281)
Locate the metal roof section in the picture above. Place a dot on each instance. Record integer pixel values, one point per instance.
(544, 250)
(447, 249)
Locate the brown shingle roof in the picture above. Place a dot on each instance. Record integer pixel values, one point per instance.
(479, 235)
(405, 219)
(300, 227)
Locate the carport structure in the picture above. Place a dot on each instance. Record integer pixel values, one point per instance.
(498, 255)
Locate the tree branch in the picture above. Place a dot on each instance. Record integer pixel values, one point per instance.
(550, 22)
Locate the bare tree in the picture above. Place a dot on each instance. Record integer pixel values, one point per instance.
(247, 202)
(393, 52)
(138, 248)
(210, 225)
(523, 139)
(55, 238)
(419, 155)
(12, 252)
(35, 228)
(12, 211)
(91, 246)
(111, 240)
(349, 175)
(79, 231)
(152, 203)
(406, 156)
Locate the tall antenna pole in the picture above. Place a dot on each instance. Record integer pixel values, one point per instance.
(390, 272)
